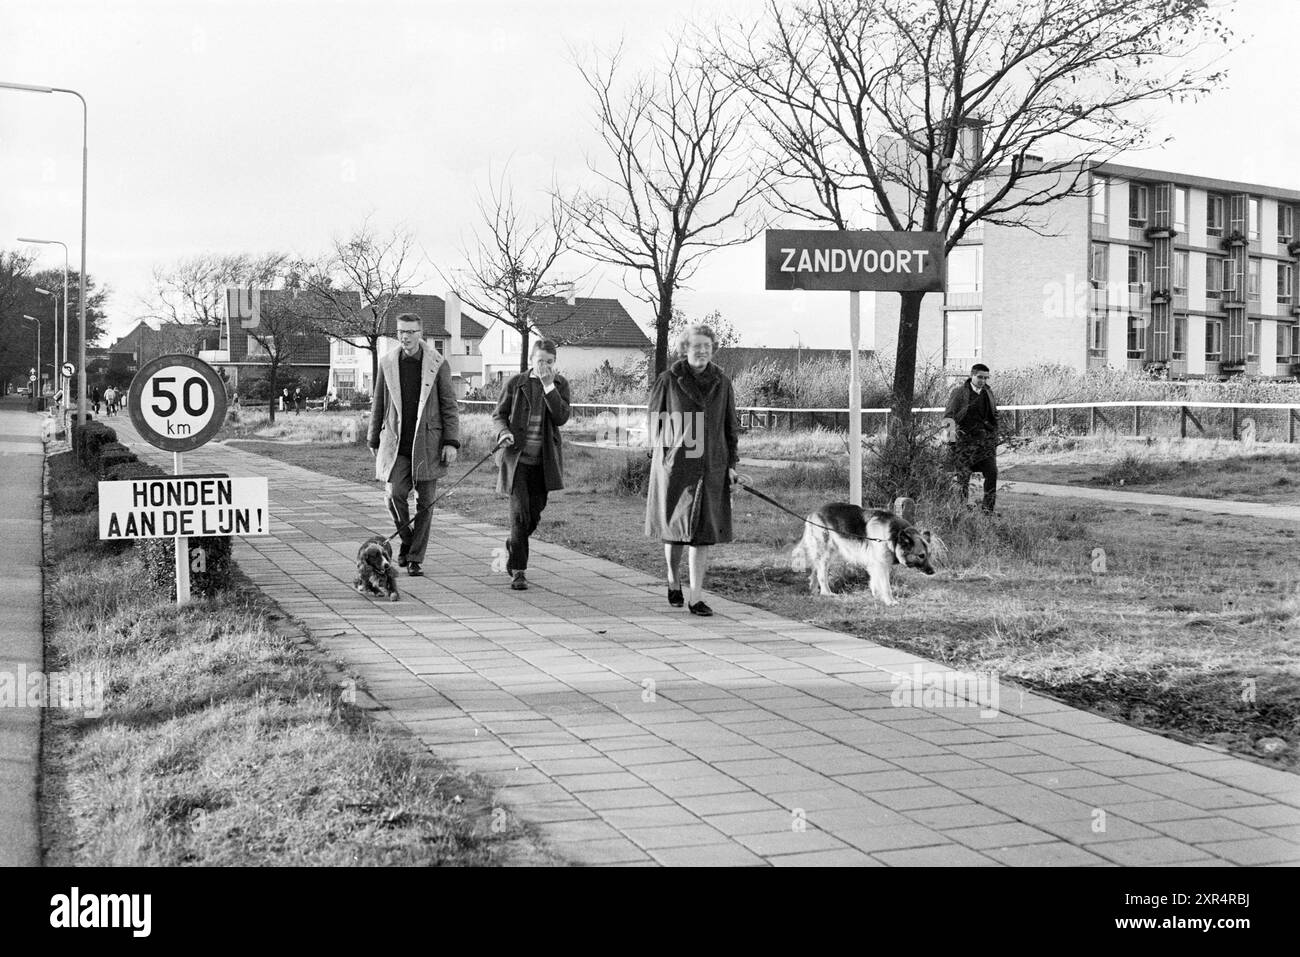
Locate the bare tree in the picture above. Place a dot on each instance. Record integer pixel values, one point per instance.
(288, 319)
(188, 297)
(511, 269)
(674, 178)
(927, 114)
(359, 284)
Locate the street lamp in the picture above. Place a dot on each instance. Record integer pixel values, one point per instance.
(81, 306)
(36, 386)
(54, 242)
(45, 292)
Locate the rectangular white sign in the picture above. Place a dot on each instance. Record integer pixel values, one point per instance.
(188, 505)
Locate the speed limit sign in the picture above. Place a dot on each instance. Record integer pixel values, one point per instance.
(177, 402)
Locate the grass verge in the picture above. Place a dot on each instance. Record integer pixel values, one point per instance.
(221, 740)
(1182, 622)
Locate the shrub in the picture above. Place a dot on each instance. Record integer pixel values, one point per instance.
(1136, 470)
(159, 556)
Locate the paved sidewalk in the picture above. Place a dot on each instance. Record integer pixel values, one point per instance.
(1110, 496)
(632, 733)
(21, 637)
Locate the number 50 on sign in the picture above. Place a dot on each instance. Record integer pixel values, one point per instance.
(177, 402)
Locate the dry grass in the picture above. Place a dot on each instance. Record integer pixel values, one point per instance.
(222, 742)
(1188, 608)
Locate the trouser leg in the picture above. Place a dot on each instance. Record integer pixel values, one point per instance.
(527, 500)
(397, 494)
(988, 467)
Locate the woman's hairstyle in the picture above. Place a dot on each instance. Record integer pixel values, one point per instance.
(695, 329)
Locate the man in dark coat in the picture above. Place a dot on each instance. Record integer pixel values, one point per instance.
(694, 435)
(530, 466)
(414, 433)
(973, 413)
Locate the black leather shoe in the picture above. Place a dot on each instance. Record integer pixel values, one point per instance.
(519, 582)
(414, 570)
(675, 597)
(403, 560)
(699, 608)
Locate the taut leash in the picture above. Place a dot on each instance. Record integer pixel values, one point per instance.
(803, 518)
(429, 507)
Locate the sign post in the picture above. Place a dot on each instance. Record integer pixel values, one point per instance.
(857, 261)
(177, 403)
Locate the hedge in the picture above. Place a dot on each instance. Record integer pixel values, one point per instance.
(96, 447)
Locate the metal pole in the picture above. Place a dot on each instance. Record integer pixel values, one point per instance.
(855, 403)
(182, 551)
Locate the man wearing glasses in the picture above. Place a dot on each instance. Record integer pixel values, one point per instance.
(972, 415)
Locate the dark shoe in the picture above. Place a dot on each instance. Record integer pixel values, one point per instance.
(413, 569)
(699, 608)
(519, 582)
(403, 560)
(675, 597)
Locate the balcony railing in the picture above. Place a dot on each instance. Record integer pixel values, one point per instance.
(1139, 296)
(965, 298)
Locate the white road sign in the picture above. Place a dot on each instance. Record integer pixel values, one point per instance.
(183, 505)
(69, 370)
(177, 402)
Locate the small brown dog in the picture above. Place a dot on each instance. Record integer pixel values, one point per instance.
(375, 569)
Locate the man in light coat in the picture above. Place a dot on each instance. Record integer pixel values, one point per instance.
(414, 433)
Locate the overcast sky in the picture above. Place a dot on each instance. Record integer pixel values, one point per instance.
(276, 124)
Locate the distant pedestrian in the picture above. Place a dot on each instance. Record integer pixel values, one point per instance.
(974, 414)
(528, 417)
(299, 401)
(96, 397)
(234, 399)
(694, 433)
(284, 400)
(110, 401)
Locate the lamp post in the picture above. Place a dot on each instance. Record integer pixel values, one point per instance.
(45, 292)
(54, 242)
(81, 306)
(36, 386)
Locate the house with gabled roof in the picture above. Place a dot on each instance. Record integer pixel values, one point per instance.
(243, 358)
(589, 332)
(453, 333)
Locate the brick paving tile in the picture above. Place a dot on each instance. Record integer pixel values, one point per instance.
(1089, 829)
(957, 815)
(1012, 834)
(612, 781)
(1262, 816)
(911, 798)
(656, 815)
(949, 856)
(849, 857)
(890, 837)
(1205, 830)
(707, 855)
(1264, 850)
(677, 835)
(1146, 812)
(1148, 852)
(692, 787)
(625, 797)
(1045, 855)
(772, 843)
(704, 805)
(607, 851)
(755, 822)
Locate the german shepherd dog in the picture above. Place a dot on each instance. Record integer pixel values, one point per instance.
(375, 569)
(875, 540)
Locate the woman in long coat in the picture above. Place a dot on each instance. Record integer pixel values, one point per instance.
(693, 431)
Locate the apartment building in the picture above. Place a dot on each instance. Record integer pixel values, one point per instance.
(1148, 270)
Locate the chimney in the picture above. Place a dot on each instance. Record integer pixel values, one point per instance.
(451, 320)
(569, 292)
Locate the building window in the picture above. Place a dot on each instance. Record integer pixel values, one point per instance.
(965, 276)
(1213, 340)
(440, 345)
(1213, 277)
(1180, 273)
(1285, 223)
(1252, 339)
(962, 335)
(1288, 342)
(1180, 209)
(1098, 268)
(1252, 219)
(1285, 283)
(346, 349)
(1180, 338)
(256, 347)
(1137, 269)
(1100, 194)
(1097, 333)
(1137, 336)
(1252, 279)
(1137, 205)
(345, 384)
(1213, 215)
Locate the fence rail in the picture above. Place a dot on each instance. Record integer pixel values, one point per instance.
(1248, 421)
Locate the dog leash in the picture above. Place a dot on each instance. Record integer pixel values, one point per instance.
(429, 507)
(771, 501)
